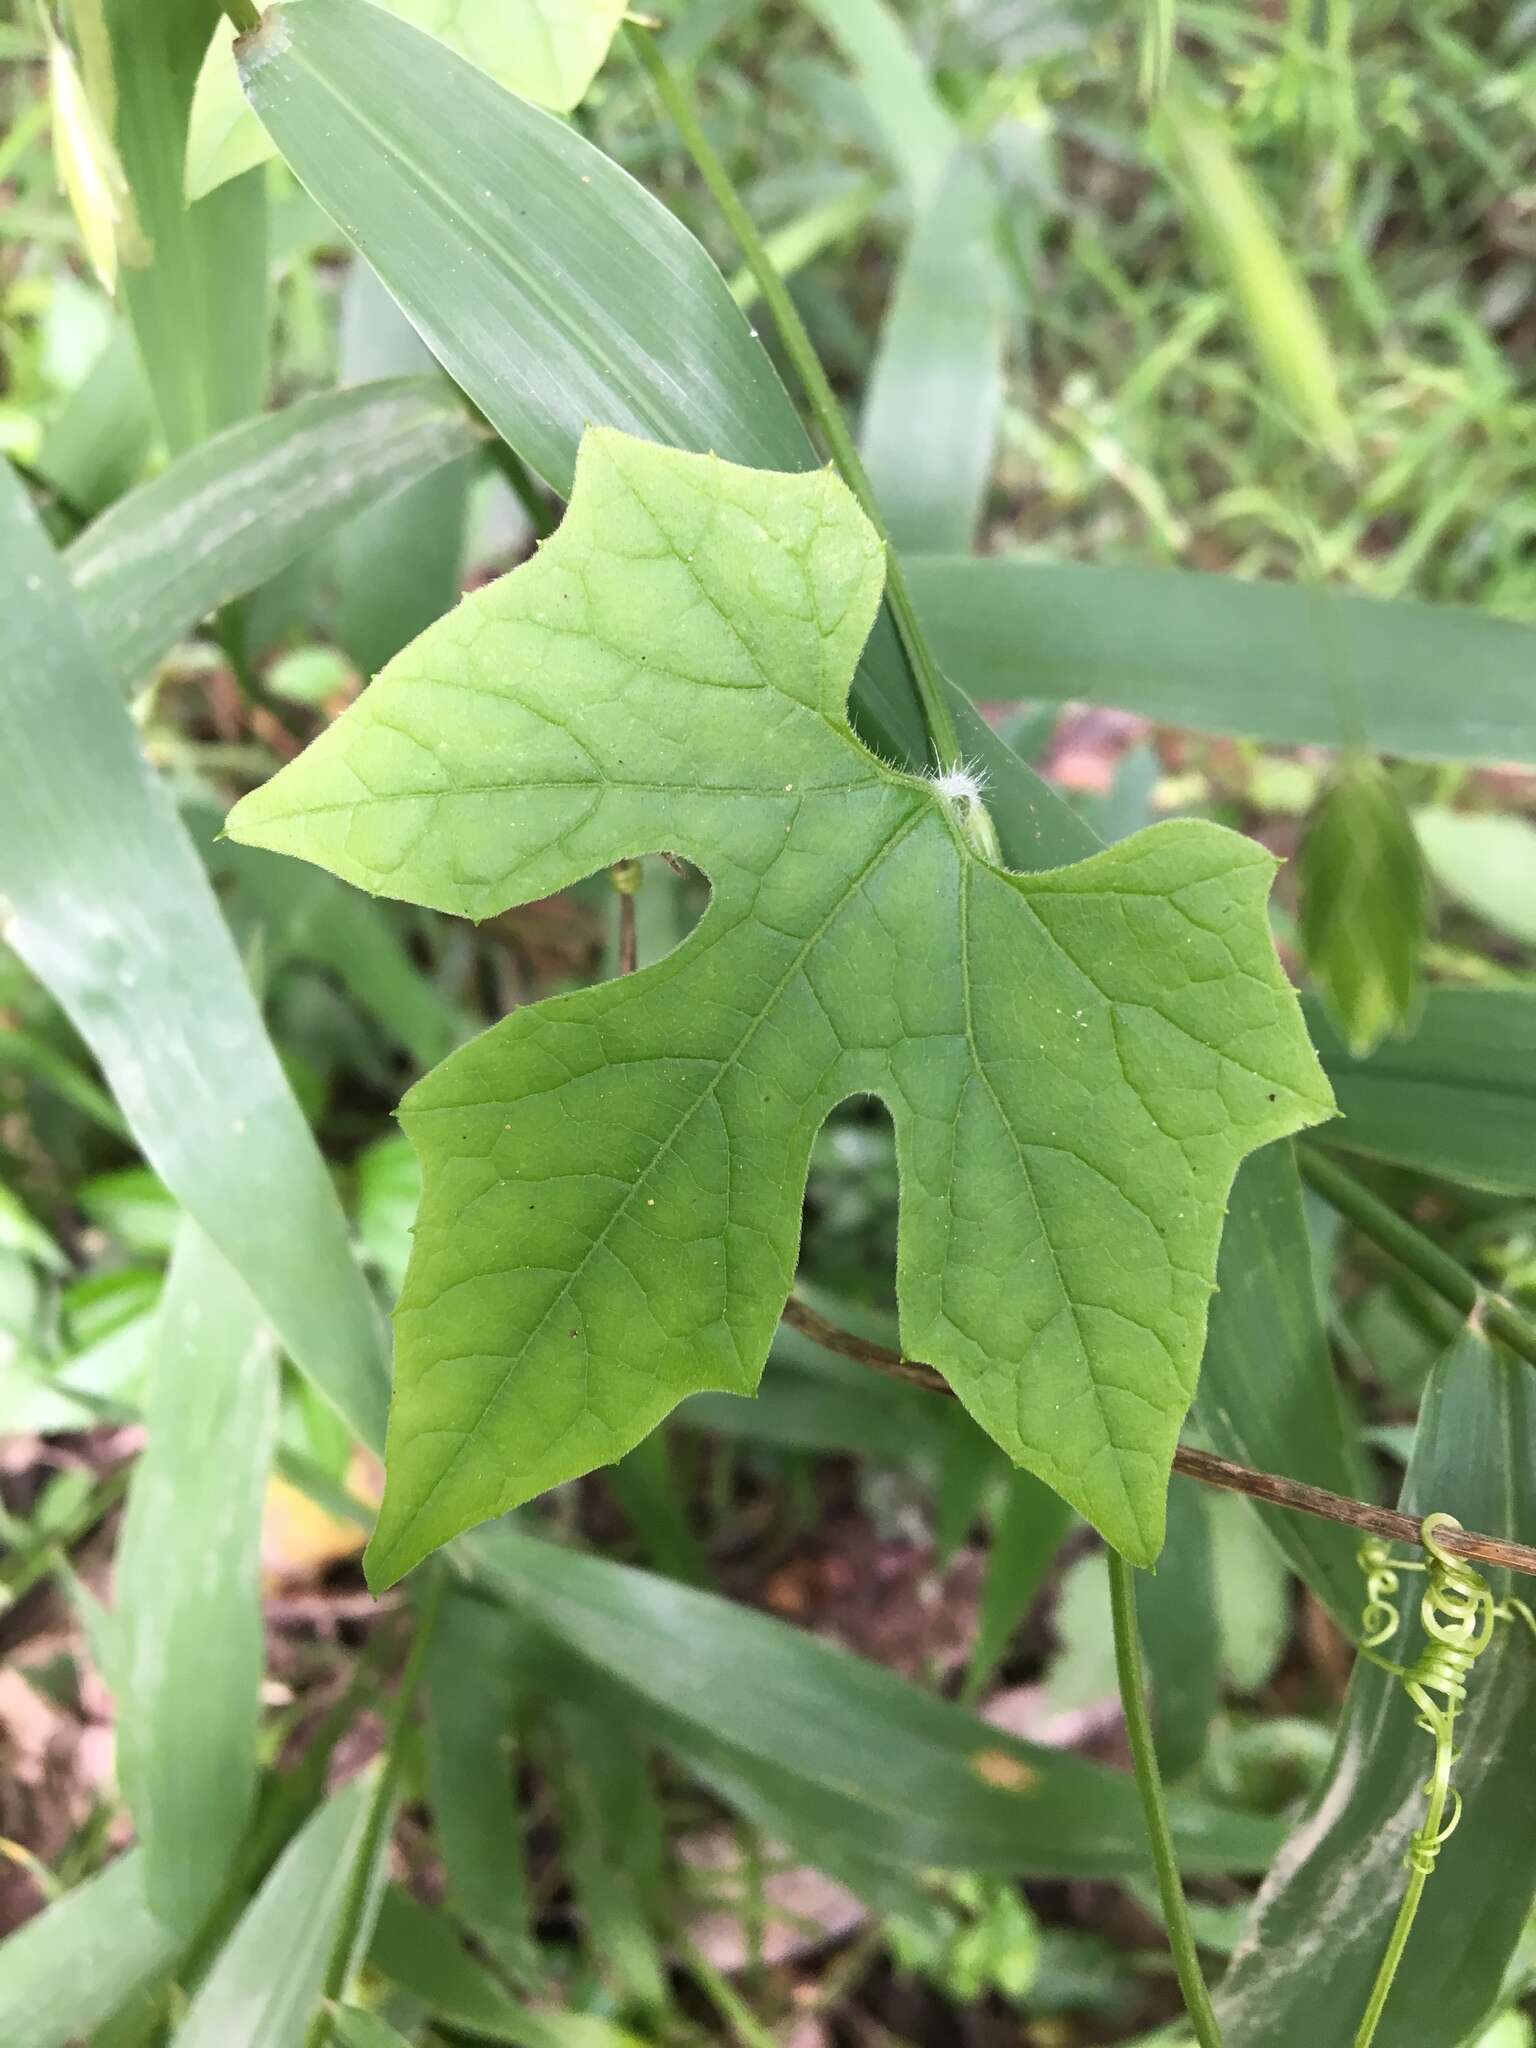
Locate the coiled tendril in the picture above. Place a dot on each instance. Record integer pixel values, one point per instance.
(1460, 1617)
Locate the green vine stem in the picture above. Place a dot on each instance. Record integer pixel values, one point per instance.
(932, 691)
(243, 14)
(1149, 1780)
(1459, 1616)
(1420, 1254)
(381, 1804)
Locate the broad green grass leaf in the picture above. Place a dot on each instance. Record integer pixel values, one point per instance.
(1364, 906)
(1458, 1098)
(264, 1986)
(94, 451)
(1266, 661)
(1253, 1608)
(354, 2028)
(1176, 1612)
(420, 1951)
(188, 1637)
(293, 914)
(396, 566)
(1025, 1538)
(613, 1180)
(218, 522)
(194, 278)
(613, 1841)
(475, 1683)
(515, 254)
(1320, 1923)
(821, 1746)
(224, 138)
(106, 901)
(928, 430)
(549, 51)
(545, 50)
(1488, 864)
(919, 132)
(80, 1959)
(1267, 1395)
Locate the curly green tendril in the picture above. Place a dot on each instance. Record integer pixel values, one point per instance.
(1460, 1617)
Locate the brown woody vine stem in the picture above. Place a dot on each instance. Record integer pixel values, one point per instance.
(1210, 1470)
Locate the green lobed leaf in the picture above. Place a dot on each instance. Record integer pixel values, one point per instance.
(189, 1638)
(1318, 1928)
(1074, 1060)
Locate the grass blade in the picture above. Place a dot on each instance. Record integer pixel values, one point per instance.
(217, 523)
(1265, 661)
(1180, 1640)
(896, 1775)
(190, 1642)
(466, 241)
(918, 131)
(265, 1984)
(1456, 1099)
(194, 278)
(1267, 1395)
(397, 564)
(71, 1968)
(1336, 1887)
(935, 396)
(109, 906)
(1028, 1534)
(474, 1683)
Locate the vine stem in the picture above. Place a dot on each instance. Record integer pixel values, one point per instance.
(1149, 1780)
(932, 691)
(1381, 1223)
(1402, 1927)
(243, 14)
(1269, 1487)
(380, 1806)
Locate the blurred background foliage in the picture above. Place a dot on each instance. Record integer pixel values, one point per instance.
(573, 1864)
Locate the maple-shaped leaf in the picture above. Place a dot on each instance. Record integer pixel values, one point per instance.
(1075, 1061)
